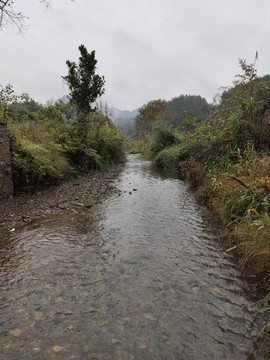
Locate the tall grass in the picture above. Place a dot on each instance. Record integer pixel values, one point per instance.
(36, 157)
(58, 143)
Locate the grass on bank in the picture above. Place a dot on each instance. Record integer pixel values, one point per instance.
(57, 143)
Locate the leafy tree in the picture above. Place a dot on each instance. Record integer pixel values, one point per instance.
(84, 84)
(190, 106)
(163, 137)
(7, 97)
(23, 110)
(154, 110)
(89, 141)
(244, 108)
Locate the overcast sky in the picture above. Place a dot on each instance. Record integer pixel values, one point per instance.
(146, 49)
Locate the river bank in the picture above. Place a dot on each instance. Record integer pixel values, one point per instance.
(78, 192)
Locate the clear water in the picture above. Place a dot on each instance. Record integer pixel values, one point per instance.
(135, 277)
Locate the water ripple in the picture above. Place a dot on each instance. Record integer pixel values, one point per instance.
(137, 277)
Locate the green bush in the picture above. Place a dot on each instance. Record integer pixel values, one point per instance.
(163, 137)
(140, 145)
(110, 143)
(90, 141)
(61, 142)
(168, 158)
(36, 158)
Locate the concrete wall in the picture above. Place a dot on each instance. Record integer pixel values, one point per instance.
(6, 184)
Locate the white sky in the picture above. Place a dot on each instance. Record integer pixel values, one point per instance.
(146, 49)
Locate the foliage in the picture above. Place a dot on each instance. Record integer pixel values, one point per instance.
(24, 110)
(84, 84)
(8, 97)
(168, 158)
(244, 109)
(55, 141)
(186, 106)
(150, 113)
(89, 140)
(140, 145)
(134, 146)
(110, 144)
(36, 158)
(162, 138)
(174, 112)
(225, 158)
(193, 171)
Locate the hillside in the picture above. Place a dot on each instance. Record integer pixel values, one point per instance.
(123, 119)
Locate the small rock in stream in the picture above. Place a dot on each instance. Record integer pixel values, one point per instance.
(89, 206)
(62, 206)
(78, 204)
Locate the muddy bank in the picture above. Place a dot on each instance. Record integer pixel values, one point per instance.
(82, 191)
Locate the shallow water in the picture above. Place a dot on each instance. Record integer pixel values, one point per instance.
(135, 277)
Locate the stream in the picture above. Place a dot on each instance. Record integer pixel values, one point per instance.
(136, 276)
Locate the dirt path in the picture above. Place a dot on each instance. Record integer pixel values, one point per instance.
(79, 192)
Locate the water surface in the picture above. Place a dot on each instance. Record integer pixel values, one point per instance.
(135, 277)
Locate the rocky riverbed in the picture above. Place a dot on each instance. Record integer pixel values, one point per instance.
(83, 191)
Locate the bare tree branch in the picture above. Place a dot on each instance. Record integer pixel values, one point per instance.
(10, 16)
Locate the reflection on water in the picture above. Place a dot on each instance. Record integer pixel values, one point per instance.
(137, 277)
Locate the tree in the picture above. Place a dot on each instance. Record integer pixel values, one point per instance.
(84, 84)
(189, 106)
(244, 109)
(149, 113)
(7, 97)
(9, 15)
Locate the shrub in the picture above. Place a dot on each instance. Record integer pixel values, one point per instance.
(168, 158)
(89, 140)
(193, 172)
(36, 158)
(163, 137)
(110, 143)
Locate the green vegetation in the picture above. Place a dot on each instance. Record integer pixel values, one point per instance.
(36, 158)
(57, 143)
(148, 114)
(163, 137)
(184, 110)
(139, 145)
(58, 140)
(90, 141)
(225, 158)
(84, 84)
(185, 106)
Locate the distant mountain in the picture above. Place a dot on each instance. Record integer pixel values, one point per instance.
(113, 111)
(123, 119)
(122, 114)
